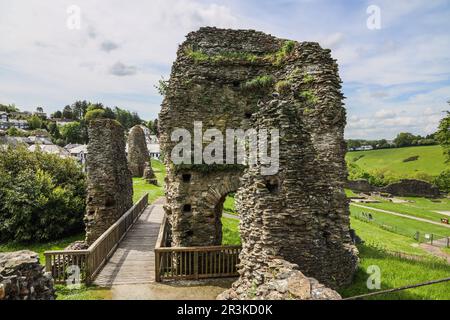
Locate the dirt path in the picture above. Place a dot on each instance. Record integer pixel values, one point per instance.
(402, 215)
(435, 251)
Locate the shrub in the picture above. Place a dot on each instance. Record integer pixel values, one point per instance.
(413, 158)
(283, 87)
(42, 197)
(442, 181)
(94, 114)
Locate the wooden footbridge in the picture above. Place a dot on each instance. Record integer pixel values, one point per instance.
(135, 250)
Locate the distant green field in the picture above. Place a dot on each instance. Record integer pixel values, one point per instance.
(430, 161)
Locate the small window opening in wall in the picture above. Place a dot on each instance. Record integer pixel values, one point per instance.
(236, 84)
(186, 177)
(272, 185)
(189, 233)
(248, 115)
(187, 208)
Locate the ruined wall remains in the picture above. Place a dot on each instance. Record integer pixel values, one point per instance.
(109, 184)
(412, 188)
(228, 79)
(22, 277)
(138, 155)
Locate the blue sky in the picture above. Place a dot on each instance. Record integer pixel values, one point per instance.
(395, 79)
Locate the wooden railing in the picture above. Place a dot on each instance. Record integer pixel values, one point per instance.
(177, 263)
(89, 262)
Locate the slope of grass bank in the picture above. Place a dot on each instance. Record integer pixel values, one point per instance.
(431, 160)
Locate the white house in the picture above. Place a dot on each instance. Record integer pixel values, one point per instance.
(6, 122)
(79, 152)
(50, 148)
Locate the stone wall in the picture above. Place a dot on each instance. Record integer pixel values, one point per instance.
(300, 214)
(412, 188)
(22, 277)
(138, 155)
(109, 184)
(360, 185)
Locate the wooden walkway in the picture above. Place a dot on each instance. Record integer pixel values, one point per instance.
(134, 260)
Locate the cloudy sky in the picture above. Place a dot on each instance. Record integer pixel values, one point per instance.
(396, 78)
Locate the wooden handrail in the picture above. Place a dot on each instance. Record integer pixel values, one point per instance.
(91, 260)
(179, 263)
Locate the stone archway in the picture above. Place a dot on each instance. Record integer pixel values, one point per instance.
(236, 79)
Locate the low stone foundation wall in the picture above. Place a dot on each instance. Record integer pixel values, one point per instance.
(412, 188)
(279, 280)
(22, 277)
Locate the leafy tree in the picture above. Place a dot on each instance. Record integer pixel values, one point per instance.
(8, 108)
(42, 196)
(79, 109)
(40, 109)
(404, 139)
(443, 135)
(73, 133)
(34, 122)
(442, 181)
(56, 115)
(67, 112)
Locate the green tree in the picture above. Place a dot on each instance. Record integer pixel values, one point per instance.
(404, 139)
(34, 122)
(72, 133)
(443, 135)
(67, 112)
(42, 197)
(56, 115)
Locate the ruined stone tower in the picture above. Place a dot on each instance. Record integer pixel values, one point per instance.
(109, 184)
(138, 155)
(228, 79)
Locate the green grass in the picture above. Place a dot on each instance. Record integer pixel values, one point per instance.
(40, 248)
(400, 225)
(397, 272)
(230, 231)
(420, 207)
(349, 193)
(140, 186)
(229, 205)
(84, 293)
(431, 160)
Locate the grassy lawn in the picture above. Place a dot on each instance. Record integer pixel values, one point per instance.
(399, 225)
(228, 205)
(396, 272)
(84, 293)
(140, 186)
(230, 231)
(40, 248)
(420, 207)
(431, 160)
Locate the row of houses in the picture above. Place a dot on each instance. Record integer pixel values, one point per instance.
(6, 122)
(77, 151)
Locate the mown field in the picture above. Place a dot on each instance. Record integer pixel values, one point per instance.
(431, 160)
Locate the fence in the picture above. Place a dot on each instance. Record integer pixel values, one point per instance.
(178, 263)
(419, 236)
(62, 263)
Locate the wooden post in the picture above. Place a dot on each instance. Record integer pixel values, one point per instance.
(157, 266)
(48, 263)
(196, 264)
(431, 239)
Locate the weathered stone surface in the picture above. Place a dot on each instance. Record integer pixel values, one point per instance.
(149, 175)
(110, 188)
(360, 185)
(22, 277)
(138, 156)
(412, 188)
(300, 214)
(281, 281)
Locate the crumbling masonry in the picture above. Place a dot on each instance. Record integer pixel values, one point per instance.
(231, 79)
(109, 184)
(138, 155)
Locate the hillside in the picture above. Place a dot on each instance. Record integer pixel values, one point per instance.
(430, 161)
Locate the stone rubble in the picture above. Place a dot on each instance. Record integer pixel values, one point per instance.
(22, 277)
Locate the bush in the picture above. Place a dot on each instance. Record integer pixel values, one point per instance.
(442, 181)
(94, 114)
(42, 197)
(413, 158)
